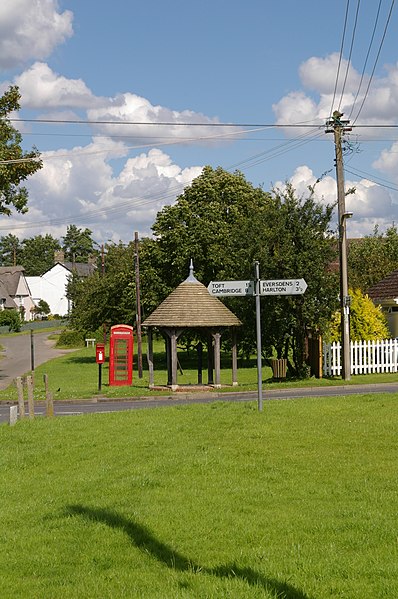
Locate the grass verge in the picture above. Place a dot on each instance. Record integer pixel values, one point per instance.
(204, 501)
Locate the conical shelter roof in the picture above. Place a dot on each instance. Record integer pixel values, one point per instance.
(191, 306)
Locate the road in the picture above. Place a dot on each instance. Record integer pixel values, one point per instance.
(103, 405)
(16, 358)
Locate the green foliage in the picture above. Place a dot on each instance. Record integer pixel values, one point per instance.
(12, 319)
(70, 338)
(37, 255)
(42, 308)
(107, 297)
(10, 250)
(77, 244)
(367, 321)
(224, 224)
(12, 195)
(372, 258)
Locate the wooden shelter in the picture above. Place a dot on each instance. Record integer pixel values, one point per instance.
(190, 306)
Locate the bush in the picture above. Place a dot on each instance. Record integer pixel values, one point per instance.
(12, 319)
(70, 338)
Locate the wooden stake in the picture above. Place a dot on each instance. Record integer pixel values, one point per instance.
(21, 403)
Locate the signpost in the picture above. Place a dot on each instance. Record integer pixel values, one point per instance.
(257, 288)
(231, 288)
(283, 287)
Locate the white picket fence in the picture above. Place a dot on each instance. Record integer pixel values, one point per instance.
(366, 357)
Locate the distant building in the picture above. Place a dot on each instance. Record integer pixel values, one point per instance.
(52, 285)
(15, 292)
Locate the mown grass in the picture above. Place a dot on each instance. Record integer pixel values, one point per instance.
(203, 501)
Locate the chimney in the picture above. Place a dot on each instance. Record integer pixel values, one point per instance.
(59, 256)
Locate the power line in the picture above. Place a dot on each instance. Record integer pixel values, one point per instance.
(340, 57)
(375, 62)
(350, 54)
(367, 57)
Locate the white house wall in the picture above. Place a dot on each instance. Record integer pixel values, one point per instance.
(51, 287)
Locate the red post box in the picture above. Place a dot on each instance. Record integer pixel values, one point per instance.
(100, 353)
(121, 345)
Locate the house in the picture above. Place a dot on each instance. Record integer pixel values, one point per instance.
(52, 285)
(15, 292)
(385, 294)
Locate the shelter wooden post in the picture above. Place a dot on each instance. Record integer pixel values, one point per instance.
(173, 335)
(217, 359)
(234, 359)
(150, 356)
(210, 360)
(168, 357)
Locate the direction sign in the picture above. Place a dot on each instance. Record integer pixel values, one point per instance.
(231, 288)
(283, 287)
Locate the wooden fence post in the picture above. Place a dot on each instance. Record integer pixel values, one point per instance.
(13, 415)
(49, 398)
(31, 406)
(21, 403)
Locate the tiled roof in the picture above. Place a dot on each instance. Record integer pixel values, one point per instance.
(386, 289)
(191, 305)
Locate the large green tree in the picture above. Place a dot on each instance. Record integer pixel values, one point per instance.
(225, 224)
(37, 255)
(16, 165)
(105, 297)
(10, 250)
(78, 244)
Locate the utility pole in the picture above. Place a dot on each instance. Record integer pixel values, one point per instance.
(138, 305)
(338, 127)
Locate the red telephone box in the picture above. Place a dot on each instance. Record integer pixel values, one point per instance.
(121, 355)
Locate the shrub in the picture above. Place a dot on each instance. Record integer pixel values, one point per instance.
(70, 338)
(12, 319)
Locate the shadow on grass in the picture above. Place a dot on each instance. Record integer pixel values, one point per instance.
(145, 540)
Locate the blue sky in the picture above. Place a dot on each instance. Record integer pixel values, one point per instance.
(219, 61)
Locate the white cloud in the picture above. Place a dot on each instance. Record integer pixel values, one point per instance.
(31, 29)
(41, 88)
(371, 204)
(130, 108)
(318, 75)
(79, 186)
(388, 162)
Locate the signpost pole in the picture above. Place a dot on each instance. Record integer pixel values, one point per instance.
(258, 335)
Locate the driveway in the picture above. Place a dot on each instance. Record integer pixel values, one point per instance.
(16, 355)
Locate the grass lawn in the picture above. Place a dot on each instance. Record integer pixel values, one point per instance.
(204, 501)
(75, 376)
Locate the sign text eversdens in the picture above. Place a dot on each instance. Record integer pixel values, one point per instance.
(283, 287)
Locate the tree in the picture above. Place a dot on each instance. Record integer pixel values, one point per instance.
(77, 244)
(42, 308)
(225, 224)
(10, 250)
(292, 239)
(37, 255)
(15, 164)
(107, 297)
(367, 321)
(372, 258)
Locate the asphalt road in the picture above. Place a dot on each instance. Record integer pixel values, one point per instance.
(16, 358)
